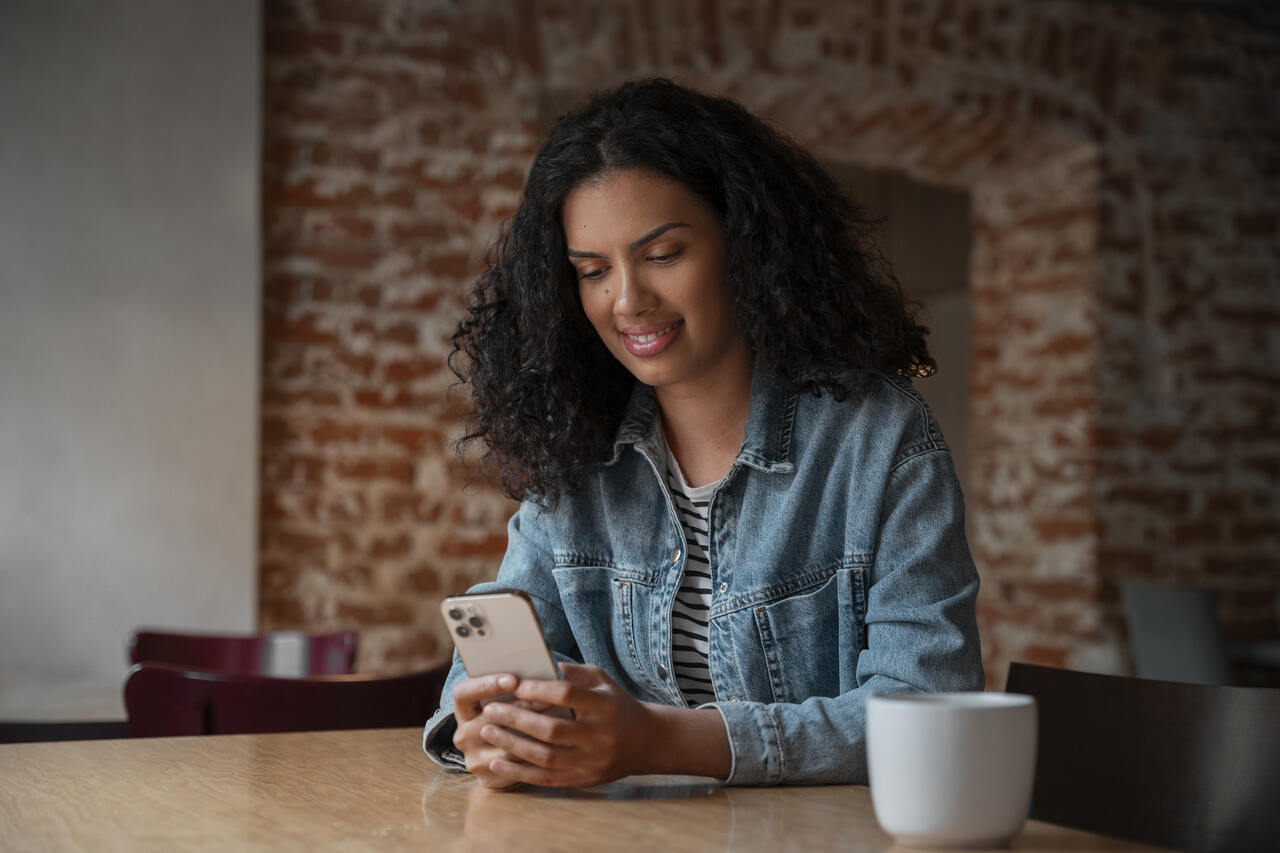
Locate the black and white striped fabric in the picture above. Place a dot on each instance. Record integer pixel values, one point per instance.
(693, 600)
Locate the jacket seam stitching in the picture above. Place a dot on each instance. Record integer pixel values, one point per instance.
(855, 563)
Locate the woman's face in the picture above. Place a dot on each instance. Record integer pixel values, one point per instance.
(649, 257)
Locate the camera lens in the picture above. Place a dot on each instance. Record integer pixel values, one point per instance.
(476, 621)
(463, 631)
(455, 613)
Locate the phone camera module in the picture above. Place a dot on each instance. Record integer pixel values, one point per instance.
(455, 614)
(476, 621)
(463, 631)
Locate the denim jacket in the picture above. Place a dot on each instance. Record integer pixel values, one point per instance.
(839, 566)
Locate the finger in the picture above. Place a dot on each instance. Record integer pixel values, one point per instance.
(468, 693)
(543, 727)
(584, 675)
(531, 774)
(579, 699)
(521, 748)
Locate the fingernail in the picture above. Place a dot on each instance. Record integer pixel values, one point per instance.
(507, 682)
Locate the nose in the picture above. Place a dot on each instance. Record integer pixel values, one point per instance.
(634, 296)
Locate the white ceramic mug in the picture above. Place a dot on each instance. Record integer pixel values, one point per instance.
(951, 769)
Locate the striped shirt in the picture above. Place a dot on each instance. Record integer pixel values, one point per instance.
(693, 599)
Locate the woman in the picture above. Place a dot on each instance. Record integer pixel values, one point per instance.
(739, 521)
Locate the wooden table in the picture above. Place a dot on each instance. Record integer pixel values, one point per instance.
(375, 790)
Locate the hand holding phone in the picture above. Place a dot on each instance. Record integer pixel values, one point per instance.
(498, 632)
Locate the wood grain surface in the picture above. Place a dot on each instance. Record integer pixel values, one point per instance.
(376, 790)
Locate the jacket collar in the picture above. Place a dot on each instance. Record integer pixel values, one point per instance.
(766, 446)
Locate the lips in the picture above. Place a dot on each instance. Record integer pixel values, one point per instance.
(646, 341)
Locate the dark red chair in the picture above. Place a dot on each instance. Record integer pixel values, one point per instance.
(163, 700)
(279, 653)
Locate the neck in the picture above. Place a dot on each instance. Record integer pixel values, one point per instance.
(705, 425)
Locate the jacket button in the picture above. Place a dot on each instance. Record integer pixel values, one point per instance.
(662, 672)
(724, 587)
(734, 699)
(675, 555)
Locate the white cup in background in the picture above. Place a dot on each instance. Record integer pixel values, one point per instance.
(951, 769)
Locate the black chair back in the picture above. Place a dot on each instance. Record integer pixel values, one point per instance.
(1190, 766)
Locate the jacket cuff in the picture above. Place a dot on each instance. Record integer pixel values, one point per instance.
(755, 743)
(437, 741)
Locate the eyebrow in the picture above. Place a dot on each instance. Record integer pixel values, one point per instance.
(635, 244)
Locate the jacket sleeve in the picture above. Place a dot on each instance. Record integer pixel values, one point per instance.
(921, 635)
(526, 566)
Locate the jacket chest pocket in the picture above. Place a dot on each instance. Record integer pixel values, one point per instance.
(798, 634)
(606, 608)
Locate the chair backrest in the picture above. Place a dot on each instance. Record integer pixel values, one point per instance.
(1190, 766)
(165, 700)
(1175, 635)
(280, 653)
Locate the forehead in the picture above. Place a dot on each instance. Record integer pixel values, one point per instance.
(623, 205)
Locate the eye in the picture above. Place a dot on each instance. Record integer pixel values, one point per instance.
(664, 259)
(588, 275)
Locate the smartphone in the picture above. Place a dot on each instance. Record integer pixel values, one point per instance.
(499, 632)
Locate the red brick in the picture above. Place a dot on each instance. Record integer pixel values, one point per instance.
(1044, 655)
(374, 468)
(281, 612)
(1127, 562)
(294, 469)
(304, 328)
(415, 649)
(409, 370)
(1257, 224)
(361, 365)
(353, 575)
(304, 194)
(278, 574)
(408, 506)
(1197, 533)
(1062, 405)
(401, 333)
(489, 545)
(374, 615)
(420, 231)
(424, 578)
(1058, 529)
(425, 303)
(414, 440)
(1255, 533)
(378, 399)
(282, 41)
(305, 547)
(277, 430)
(457, 265)
(1059, 590)
(398, 545)
(328, 432)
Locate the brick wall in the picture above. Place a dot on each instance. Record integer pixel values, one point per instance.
(1123, 166)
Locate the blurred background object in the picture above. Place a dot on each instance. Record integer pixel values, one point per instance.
(282, 654)
(1175, 634)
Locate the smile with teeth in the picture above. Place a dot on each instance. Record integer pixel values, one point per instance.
(650, 338)
(652, 343)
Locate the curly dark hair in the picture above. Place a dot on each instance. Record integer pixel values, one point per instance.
(818, 303)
